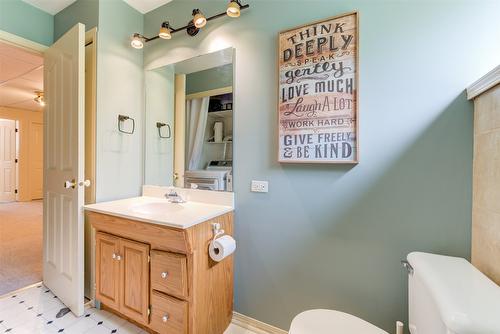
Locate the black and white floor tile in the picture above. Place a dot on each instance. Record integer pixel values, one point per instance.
(37, 310)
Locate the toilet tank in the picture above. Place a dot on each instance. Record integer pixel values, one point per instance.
(447, 295)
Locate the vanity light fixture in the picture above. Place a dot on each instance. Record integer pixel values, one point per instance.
(39, 98)
(165, 31)
(137, 41)
(233, 8)
(198, 21)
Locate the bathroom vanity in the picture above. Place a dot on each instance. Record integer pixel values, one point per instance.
(152, 264)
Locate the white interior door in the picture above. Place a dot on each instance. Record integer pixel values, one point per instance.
(64, 145)
(7, 160)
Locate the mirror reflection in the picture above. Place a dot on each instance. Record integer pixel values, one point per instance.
(189, 123)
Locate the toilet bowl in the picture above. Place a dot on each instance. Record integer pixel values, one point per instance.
(446, 295)
(331, 322)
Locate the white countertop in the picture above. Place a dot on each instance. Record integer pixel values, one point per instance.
(159, 211)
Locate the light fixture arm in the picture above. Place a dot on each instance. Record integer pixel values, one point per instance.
(173, 30)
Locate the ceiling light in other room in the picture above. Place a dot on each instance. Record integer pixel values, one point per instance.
(136, 41)
(199, 19)
(233, 8)
(165, 31)
(39, 98)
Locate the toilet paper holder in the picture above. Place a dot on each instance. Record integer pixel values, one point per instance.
(217, 231)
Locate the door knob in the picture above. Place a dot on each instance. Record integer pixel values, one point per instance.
(164, 274)
(70, 184)
(85, 183)
(165, 318)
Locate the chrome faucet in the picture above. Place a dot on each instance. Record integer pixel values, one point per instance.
(173, 197)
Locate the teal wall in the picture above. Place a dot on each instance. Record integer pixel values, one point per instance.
(81, 11)
(120, 90)
(212, 78)
(332, 236)
(24, 20)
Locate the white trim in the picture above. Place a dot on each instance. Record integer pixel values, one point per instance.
(21, 42)
(487, 81)
(254, 325)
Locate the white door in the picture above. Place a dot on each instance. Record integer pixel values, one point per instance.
(63, 223)
(7, 160)
(36, 160)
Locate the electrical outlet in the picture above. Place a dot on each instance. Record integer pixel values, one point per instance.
(260, 186)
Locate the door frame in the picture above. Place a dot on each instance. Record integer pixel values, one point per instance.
(90, 163)
(40, 49)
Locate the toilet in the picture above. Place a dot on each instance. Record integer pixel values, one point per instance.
(446, 295)
(330, 322)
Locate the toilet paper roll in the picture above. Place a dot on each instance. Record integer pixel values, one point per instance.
(221, 248)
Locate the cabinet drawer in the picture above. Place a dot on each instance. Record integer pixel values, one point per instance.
(169, 273)
(168, 314)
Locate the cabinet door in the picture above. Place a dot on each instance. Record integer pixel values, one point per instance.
(134, 278)
(107, 269)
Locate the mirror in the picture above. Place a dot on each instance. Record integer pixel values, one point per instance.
(189, 123)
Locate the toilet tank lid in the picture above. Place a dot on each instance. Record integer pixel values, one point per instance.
(469, 302)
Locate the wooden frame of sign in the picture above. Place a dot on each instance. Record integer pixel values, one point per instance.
(318, 91)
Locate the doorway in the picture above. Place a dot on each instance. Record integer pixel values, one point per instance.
(21, 167)
(21, 217)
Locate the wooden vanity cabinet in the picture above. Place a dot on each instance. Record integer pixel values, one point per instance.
(122, 276)
(161, 277)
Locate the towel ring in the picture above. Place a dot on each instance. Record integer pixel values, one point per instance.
(159, 125)
(123, 118)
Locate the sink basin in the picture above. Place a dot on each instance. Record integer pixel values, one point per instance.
(156, 208)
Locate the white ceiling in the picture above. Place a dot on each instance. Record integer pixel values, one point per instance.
(55, 6)
(145, 6)
(50, 6)
(21, 74)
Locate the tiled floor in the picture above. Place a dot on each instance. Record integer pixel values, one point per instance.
(37, 310)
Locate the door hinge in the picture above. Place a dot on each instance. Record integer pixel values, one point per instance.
(149, 310)
(149, 258)
(16, 161)
(17, 130)
(15, 191)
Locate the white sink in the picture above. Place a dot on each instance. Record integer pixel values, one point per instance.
(156, 208)
(201, 206)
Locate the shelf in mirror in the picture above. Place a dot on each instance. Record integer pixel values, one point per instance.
(220, 113)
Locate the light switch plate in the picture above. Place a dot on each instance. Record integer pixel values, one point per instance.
(260, 186)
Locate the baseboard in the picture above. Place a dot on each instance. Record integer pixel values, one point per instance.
(254, 325)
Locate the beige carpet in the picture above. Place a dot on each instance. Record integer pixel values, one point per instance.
(20, 244)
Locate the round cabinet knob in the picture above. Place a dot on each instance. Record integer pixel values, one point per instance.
(164, 274)
(118, 257)
(165, 318)
(113, 256)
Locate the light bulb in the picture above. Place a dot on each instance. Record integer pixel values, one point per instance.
(137, 42)
(199, 19)
(233, 9)
(165, 32)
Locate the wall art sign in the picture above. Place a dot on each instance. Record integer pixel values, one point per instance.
(318, 92)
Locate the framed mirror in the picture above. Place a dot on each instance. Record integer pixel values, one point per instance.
(189, 123)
